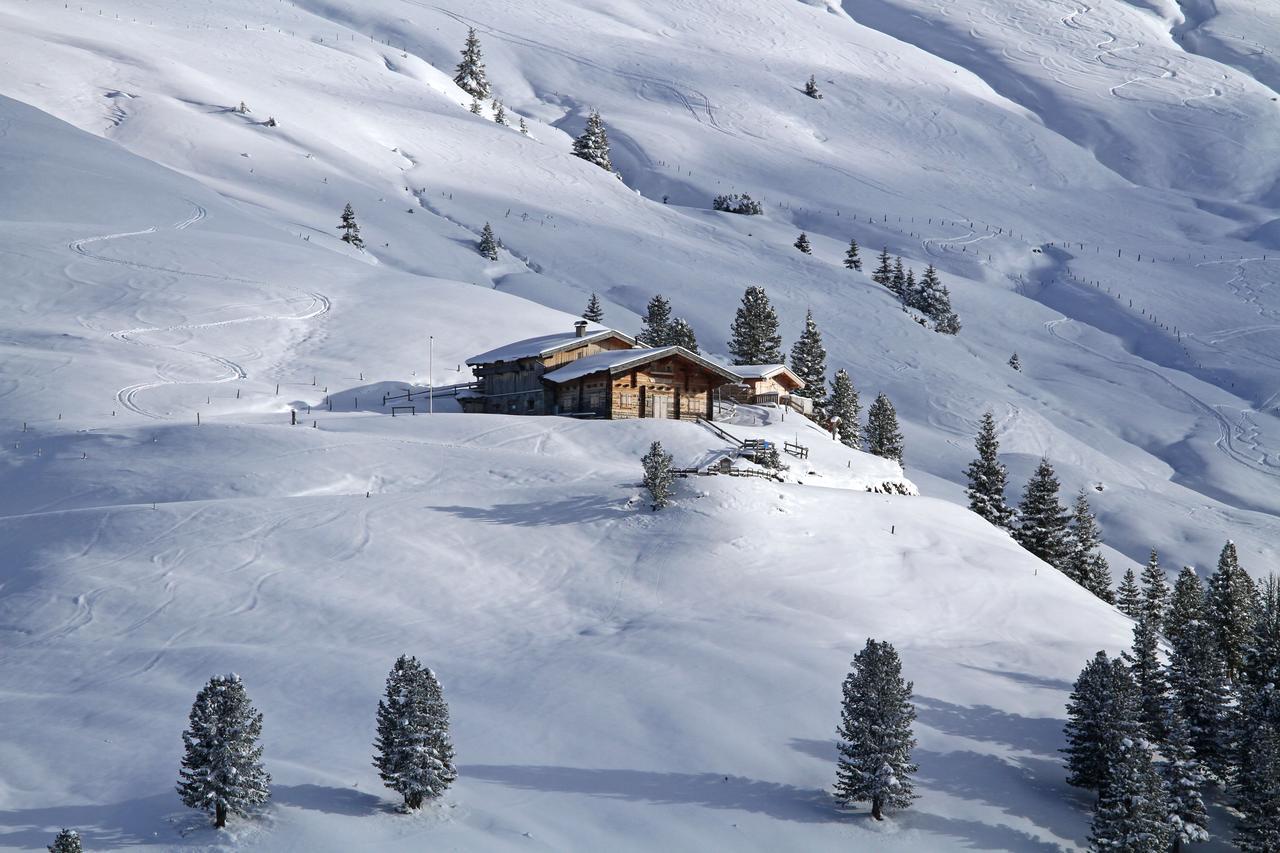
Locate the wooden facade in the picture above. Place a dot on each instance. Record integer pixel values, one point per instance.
(515, 387)
(672, 387)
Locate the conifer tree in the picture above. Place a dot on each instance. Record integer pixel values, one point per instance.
(910, 291)
(802, 243)
(222, 769)
(883, 274)
(1155, 591)
(470, 75)
(988, 478)
(1199, 692)
(593, 144)
(524, 126)
(488, 245)
(875, 737)
(657, 475)
(898, 284)
(811, 89)
(594, 311)
(414, 754)
(1083, 561)
(754, 334)
(655, 328)
(1231, 600)
(499, 112)
(809, 361)
(884, 439)
(476, 108)
(1148, 677)
(68, 841)
(1257, 788)
(1132, 815)
(1262, 653)
(1042, 520)
(1128, 596)
(1186, 605)
(843, 404)
(349, 228)
(1014, 362)
(852, 261)
(1102, 713)
(1184, 781)
(681, 334)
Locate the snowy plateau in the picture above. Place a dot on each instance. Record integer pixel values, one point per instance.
(1097, 183)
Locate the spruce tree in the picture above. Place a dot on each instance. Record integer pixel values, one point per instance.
(499, 112)
(1231, 600)
(1200, 693)
(1083, 561)
(1132, 815)
(414, 754)
(754, 334)
(1128, 596)
(68, 841)
(680, 334)
(1042, 520)
(349, 228)
(811, 89)
(883, 274)
(593, 144)
(898, 283)
(524, 126)
(1102, 713)
(809, 361)
(657, 475)
(222, 769)
(1148, 677)
(843, 404)
(802, 243)
(1262, 653)
(476, 108)
(1184, 781)
(488, 245)
(470, 75)
(1186, 605)
(910, 294)
(1015, 363)
(594, 311)
(875, 737)
(1155, 591)
(852, 261)
(1257, 788)
(884, 439)
(655, 328)
(988, 478)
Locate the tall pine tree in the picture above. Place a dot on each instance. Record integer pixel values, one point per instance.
(988, 478)
(488, 245)
(843, 404)
(883, 274)
(470, 75)
(1184, 781)
(414, 754)
(884, 439)
(1256, 792)
(1148, 677)
(1155, 591)
(1231, 600)
(680, 334)
(222, 769)
(655, 328)
(1042, 520)
(593, 144)
(1186, 605)
(1132, 815)
(875, 737)
(809, 361)
(68, 841)
(898, 284)
(1102, 713)
(754, 335)
(594, 311)
(1083, 562)
(1200, 693)
(1128, 596)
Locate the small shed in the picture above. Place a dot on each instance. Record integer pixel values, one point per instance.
(661, 382)
(767, 383)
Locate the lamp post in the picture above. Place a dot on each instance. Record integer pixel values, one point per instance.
(431, 375)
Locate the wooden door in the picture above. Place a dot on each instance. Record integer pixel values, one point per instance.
(661, 406)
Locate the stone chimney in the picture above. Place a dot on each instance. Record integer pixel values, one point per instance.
(580, 329)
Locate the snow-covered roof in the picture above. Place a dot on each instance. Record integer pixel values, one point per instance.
(545, 345)
(766, 371)
(620, 360)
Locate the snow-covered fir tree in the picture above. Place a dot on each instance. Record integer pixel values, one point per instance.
(898, 281)
(680, 334)
(1128, 595)
(655, 326)
(1132, 814)
(1155, 591)
(1232, 599)
(910, 294)
(414, 754)
(1200, 693)
(883, 274)
(242, 109)
(524, 126)
(1184, 781)
(811, 89)
(1102, 713)
(1042, 520)
(988, 478)
(1083, 561)
(883, 437)
(594, 310)
(657, 474)
(499, 112)
(1186, 605)
(67, 841)
(350, 228)
(593, 144)
(476, 107)
(875, 737)
(852, 260)
(222, 770)
(743, 204)
(843, 408)
(488, 245)
(470, 75)
(802, 243)
(809, 362)
(754, 337)
(1014, 362)
(1256, 791)
(1262, 653)
(1148, 677)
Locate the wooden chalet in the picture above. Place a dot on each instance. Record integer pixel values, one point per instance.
(600, 374)
(769, 383)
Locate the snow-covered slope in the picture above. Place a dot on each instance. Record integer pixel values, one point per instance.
(1096, 184)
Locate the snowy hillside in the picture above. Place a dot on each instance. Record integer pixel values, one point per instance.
(1096, 184)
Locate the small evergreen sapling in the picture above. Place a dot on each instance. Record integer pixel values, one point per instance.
(414, 753)
(875, 737)
(802, 243)
(852, 261)
(499, 112)
(811, 89)
(809, 361)
(524, 126)
(470, 75)
(988, 478)
(884, 439)
(593, 144)
(754, 337)
(655, 328)
(843, 404)
(476, 108)
(350, 228)
(658, 477)
(68, 841)
(1042, 520)
(594, 311)
(488, 245)
(222, 769)
(1128, 596)
(1132, 815)
(1014, 362)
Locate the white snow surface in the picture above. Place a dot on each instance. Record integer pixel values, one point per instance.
(1096, 183)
